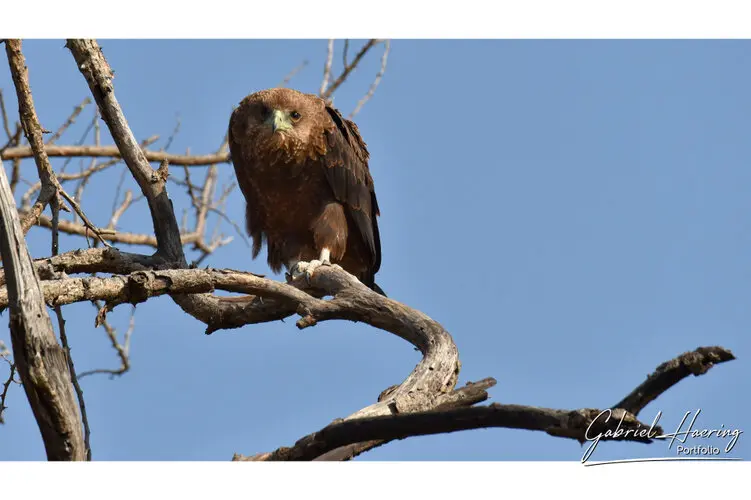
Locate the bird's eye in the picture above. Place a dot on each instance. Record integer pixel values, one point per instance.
(295, 115)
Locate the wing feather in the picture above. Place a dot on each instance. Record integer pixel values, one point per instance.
(349, 177)
(254, 217)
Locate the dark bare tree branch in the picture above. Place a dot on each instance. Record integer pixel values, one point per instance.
(573, 424)
(376, 81)
(96, 70)
(71, 119)
(671, 372)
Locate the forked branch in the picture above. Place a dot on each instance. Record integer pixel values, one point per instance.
(153, 183)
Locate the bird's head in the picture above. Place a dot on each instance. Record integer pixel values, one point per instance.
(282, 117)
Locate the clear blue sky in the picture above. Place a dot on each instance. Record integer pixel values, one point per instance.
(573, 212)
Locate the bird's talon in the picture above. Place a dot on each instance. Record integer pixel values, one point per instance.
(297, 270)
(307, 269)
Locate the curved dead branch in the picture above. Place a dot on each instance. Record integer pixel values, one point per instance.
(432, 379)
(425, 388)
(580, 424)
(425, 403)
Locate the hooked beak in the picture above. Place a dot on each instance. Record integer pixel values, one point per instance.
(279, 121)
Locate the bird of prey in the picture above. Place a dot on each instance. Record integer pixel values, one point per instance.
(303, 170)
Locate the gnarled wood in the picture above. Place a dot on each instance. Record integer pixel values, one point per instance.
(350, 437)
(153, 183)
(40, 360)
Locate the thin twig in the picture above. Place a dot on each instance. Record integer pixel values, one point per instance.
(119, 187)
(207, 194)
(4, 395)
(344, 52)
(16, 164)
(93, 169)
(97, 232)
(93, 125)
(235, 225)
(98, 130)
(348, 69)
(292, 73)
(374, 85)
(92, 164)
(4, 353)
(113, 152)
(122, 350)
(119, 211)
(76, 384)
(184, 221)
(191, 187)
(71, 119)
(12, 141)
(327, 68)
(55, 206)
(68, 227)
(172, 136)
(15, 175)
(6, 124)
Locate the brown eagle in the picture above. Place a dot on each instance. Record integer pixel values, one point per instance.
(303, 170)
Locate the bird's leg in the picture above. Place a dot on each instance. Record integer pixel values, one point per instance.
(325, 256)
(325, 259)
